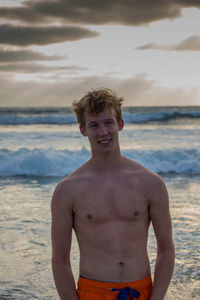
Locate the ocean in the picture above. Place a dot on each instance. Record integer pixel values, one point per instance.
(40, 146)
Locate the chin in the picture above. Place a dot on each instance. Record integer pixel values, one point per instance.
(108, 150)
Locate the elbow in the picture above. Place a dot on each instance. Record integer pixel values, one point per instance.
(58, 265)
(60, 260)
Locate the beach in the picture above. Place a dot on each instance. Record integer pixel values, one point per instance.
(40, 146)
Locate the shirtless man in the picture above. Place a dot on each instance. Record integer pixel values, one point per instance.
(109, 202)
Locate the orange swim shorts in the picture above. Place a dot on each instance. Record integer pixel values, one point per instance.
(98, 290)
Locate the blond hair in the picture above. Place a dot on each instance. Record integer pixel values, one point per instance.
(95, 102)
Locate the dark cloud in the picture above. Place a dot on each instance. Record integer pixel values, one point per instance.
(37, 68)
(26, 55)
(26, 36)
(190, 44)
(126, 12)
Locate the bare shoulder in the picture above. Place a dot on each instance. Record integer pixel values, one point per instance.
(65, 190)
(62, 196)
(155, 188)
(151, 183)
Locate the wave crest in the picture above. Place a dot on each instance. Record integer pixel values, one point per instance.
(130, 115)
(50, 162)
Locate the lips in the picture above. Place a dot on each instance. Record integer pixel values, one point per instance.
(104, 142)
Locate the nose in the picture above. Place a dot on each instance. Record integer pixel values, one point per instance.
(102, 130)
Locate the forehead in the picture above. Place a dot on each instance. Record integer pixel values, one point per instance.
(107, 113)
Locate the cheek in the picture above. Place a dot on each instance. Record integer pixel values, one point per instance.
(115, 131)
(91, 136)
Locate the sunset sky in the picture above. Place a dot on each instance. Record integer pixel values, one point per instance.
(53, 51)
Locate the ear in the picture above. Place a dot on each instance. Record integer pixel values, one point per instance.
(121, 125)
(82, 130)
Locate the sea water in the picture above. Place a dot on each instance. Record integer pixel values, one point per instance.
(40, 146)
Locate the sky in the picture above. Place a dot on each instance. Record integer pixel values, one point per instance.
(53, 51)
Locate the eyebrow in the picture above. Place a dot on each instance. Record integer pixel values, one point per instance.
(111, 119)
(95, 122)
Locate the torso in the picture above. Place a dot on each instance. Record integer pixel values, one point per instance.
(111, 222)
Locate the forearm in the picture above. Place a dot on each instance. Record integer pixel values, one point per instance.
(64, 281)
(163, 273)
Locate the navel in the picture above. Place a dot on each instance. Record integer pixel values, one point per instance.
(121, 263)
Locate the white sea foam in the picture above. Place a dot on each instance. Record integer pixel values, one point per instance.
(145, 117)
(50, 162)
(130, 116)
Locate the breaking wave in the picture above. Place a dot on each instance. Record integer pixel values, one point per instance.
(51, 162)
(130, 115)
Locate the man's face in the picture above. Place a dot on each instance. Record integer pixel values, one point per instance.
(102, 130)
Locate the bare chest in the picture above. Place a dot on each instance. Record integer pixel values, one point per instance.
(110, 202)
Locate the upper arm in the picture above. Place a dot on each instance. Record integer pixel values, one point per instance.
(62, 222)
(160, 214)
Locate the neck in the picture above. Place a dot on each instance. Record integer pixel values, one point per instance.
(106, 161)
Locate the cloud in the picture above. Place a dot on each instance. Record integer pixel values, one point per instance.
(99, 12)
(151, 46)
(26, 55)
(27, 36)
(37, 68)
(190, 44)
(138, 90)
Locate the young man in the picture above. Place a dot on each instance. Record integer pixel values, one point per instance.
(109, 202)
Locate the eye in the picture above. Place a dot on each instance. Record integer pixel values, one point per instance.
(109, 122)
(93, 125)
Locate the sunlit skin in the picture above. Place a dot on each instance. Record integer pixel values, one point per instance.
(109, 202)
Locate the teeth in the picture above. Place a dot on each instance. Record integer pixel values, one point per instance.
(104, 142)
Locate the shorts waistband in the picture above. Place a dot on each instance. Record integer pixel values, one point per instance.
(106, 287)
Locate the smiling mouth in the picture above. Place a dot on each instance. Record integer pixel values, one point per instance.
(104, 141)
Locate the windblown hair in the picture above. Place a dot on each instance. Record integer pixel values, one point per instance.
(95, 102)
